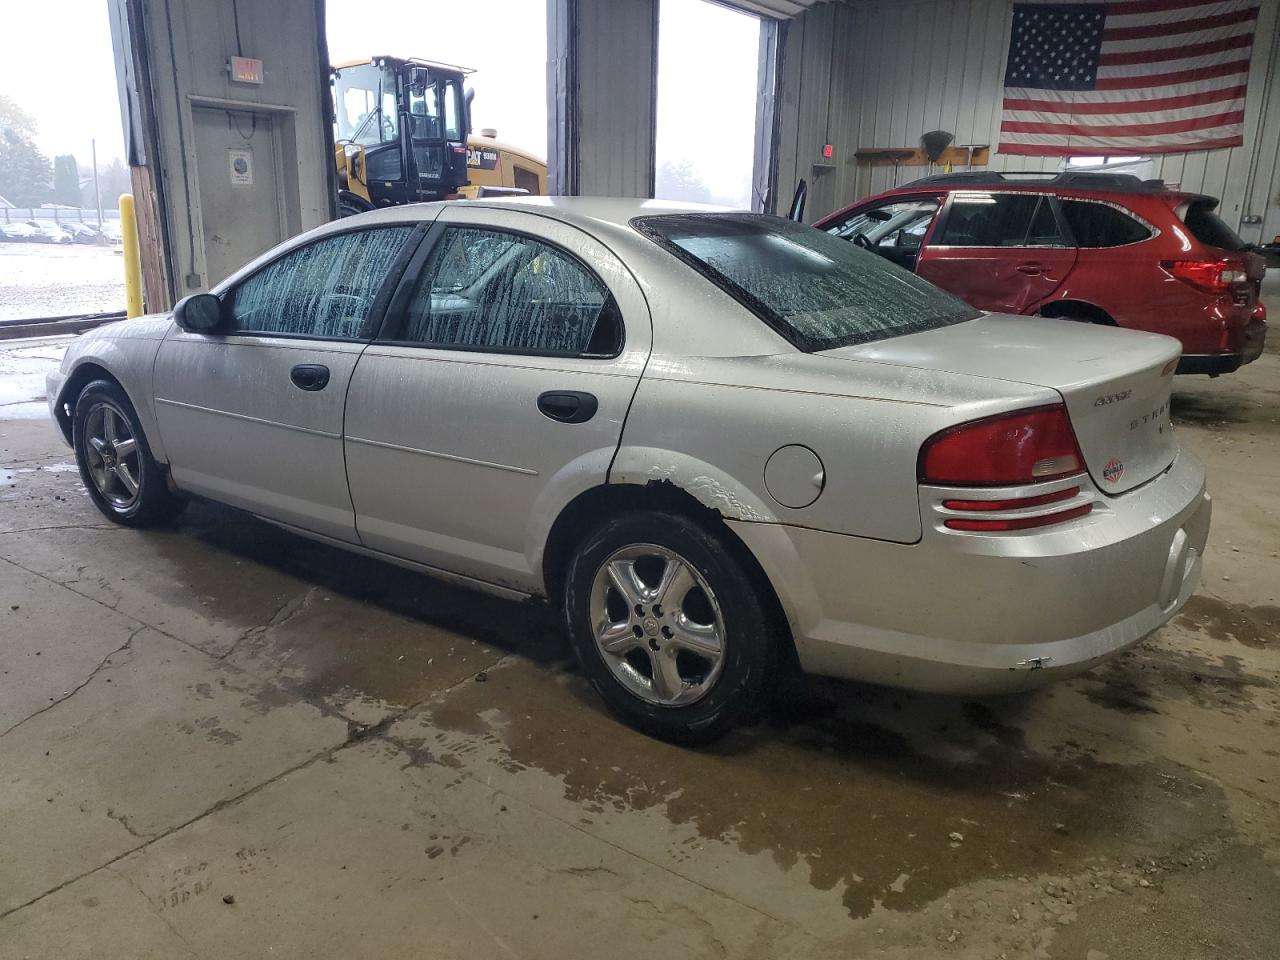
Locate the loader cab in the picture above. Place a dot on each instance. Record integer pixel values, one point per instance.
(400, 132)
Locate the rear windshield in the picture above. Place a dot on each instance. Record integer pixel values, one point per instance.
(1209, 228)
(818, 291)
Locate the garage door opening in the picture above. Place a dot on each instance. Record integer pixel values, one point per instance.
(708, 65)
(509, 57)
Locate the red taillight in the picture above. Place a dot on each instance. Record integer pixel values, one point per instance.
(1027, 446)
(1019, 523)
(1015, 503)
(1212, 276)
(1260, 311)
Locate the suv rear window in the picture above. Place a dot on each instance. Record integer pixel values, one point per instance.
(816, 290)
(1095, 224)
(1209, 228)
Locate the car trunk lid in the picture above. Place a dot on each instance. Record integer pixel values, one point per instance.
(1115, 383)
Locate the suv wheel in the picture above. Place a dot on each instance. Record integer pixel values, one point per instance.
(668, 626)
(115, 462)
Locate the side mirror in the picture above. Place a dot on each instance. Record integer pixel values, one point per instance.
(419, 77)
(199, 313)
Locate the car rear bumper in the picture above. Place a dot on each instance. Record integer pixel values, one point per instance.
(1252, 340)
(974, 614)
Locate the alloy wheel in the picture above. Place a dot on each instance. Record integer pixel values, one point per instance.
(111, 453)
(657, 625)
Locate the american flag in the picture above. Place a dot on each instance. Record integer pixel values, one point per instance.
(1127, 77)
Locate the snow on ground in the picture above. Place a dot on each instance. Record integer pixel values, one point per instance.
(23, 364)
(46, 280)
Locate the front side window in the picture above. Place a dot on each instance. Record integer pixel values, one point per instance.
(817, 290)
(492, 290)
(324, 289)
(364, 105)
(424, 112)
(1096, 224)
(902, 225)
(977, 219)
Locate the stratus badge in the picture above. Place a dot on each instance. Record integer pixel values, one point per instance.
(1113, 470)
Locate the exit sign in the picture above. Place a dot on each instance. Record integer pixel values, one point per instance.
(246, 70)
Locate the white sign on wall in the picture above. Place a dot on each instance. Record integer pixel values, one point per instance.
(241, 167)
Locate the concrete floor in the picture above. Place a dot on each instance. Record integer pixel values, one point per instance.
(222, 741)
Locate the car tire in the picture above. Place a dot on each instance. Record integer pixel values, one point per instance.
(655, 664)
(115, 460)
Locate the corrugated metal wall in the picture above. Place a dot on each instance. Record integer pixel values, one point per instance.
(881, 73)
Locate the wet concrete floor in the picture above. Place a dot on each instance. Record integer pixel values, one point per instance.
(221, 740)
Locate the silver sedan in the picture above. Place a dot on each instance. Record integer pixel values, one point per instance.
(723, 443)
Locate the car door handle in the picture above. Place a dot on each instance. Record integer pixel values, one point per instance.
(1031, 269)
(568, 406)
(310, 376)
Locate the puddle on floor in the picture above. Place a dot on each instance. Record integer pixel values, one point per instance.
(865, 790)
(1252, 626)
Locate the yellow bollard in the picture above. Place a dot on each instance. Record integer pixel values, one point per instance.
(132, 259)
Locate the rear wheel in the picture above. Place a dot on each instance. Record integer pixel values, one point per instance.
(115, 461)
(668, 626)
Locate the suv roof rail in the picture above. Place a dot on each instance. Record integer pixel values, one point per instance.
(1087, 180)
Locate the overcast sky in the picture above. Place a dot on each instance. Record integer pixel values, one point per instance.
(57, 64)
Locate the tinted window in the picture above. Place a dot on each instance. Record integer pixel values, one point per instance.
(999, 220)
(1207, 227)
(901, 224)
(323, 289)
(384, 163)
(526, 179)
(818, 291)
(503, 291)
(1101, 225)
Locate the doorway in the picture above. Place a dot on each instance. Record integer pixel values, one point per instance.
(708, 74)
(239, 187)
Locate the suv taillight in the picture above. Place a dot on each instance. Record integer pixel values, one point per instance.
(1211, 276)
(1012, 449)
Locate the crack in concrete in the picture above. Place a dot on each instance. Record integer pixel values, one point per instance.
(123, 820)
(156, 910)
(120, 613)
(102, 664)
(356, 734)
(287, 611)
(104, 528)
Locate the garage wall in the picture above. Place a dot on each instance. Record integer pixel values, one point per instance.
(602, 91)
(193, 115)
(882, 72)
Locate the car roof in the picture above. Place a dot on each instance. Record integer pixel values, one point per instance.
(1086, 184)
(580, 211)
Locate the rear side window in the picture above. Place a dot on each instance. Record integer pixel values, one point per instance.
(816, 290)
(492, 290)
(1101, 225)
(977, 219)
(324, 289)
(1209, 228)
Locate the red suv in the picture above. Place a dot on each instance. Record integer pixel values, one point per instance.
(1101, 248)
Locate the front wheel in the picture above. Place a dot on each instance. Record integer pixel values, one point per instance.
(668, 626)
(115, 461)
